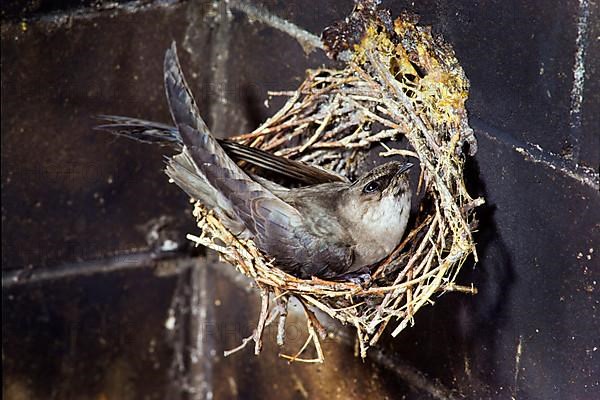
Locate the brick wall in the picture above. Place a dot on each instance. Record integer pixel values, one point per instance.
(87, 311)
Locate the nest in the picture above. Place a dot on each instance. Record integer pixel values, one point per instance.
(398, 81)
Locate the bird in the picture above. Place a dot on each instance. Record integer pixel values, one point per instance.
(328, 227)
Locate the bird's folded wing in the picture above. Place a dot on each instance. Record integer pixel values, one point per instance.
(284, 167)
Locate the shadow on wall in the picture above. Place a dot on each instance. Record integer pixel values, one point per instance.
(494, 277)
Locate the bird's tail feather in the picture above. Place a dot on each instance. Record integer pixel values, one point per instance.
(141, 130)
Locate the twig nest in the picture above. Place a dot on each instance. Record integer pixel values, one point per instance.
(398, 82)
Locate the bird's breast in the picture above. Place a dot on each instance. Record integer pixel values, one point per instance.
(381, 229)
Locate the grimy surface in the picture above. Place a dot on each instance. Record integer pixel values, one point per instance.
(75, 202)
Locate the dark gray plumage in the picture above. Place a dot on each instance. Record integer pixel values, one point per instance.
(328, 229)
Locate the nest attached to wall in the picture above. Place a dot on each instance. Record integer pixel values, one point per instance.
(398, 81)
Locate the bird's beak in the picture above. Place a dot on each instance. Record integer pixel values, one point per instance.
(405, 167)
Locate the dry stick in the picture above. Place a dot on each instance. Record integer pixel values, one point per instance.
(344, 317)
(422, 178)
(362, 342)
(353, 135)
(340, 126)
(452, 287)
(394, 289)
(400, 247)
(375, 117)
(245, 341)
(396, 309)
(317, 133)
(428, 290)
(281, 93)
(283, 111)
(311, 323)
(409, 297)
(375, 337)
(250, 338)
(282, 303)
(400, 152)
(423, 265)
(402, 287)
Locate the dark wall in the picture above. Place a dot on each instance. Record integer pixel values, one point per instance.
(75, 201)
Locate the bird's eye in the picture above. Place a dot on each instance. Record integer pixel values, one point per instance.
(371, 187)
